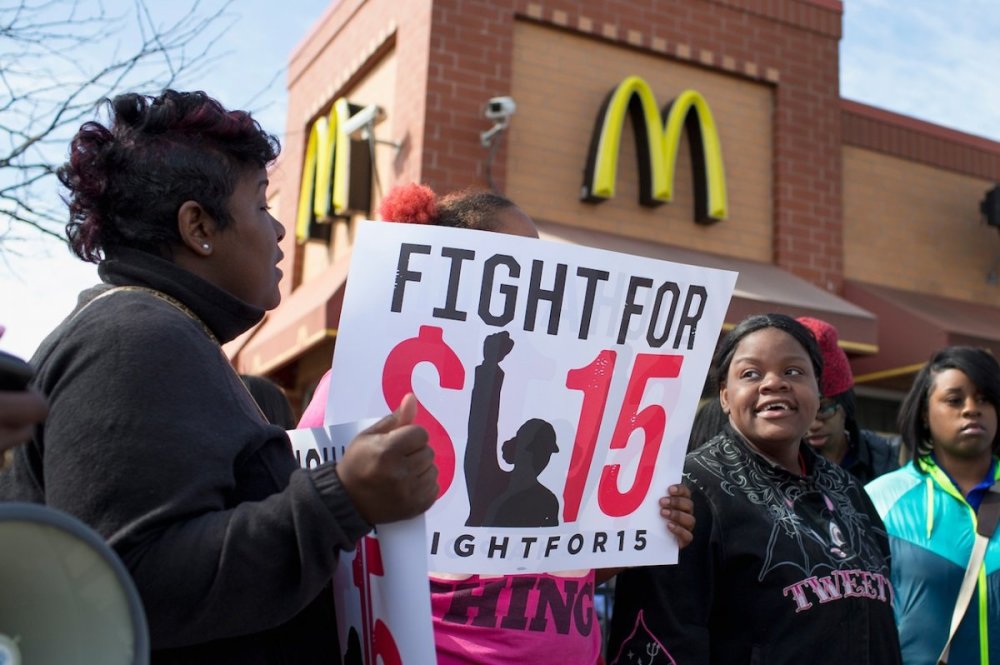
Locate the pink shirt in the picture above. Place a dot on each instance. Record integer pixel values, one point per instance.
(523, 619)
(313, 415)
(493, 620)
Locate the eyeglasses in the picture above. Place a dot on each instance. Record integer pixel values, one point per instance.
(827, 409)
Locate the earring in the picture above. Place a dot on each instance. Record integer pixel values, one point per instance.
(205, 246)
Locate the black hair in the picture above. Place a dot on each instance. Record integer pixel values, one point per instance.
(727, 347)
(708, 421)
(271, 399)
(127, 181)
(848, 402)
(977, 364)
(472, 209)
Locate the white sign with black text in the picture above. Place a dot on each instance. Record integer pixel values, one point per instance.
(373, 626)
(558, 384)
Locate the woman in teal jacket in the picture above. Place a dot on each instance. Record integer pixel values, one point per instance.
(949, 422)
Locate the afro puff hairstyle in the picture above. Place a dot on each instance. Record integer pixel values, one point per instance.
(410, 204)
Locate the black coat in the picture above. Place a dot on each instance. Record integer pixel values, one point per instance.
(783, 569)
(153, 441)
(872, 457)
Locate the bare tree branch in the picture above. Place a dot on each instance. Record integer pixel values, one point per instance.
(50, 82)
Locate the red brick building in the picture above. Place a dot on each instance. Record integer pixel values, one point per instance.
(835, 209)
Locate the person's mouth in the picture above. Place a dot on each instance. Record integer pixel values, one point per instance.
(973, 428)
(817, 441)
(775, 409)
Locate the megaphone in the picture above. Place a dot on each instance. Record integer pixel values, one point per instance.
(65, 596)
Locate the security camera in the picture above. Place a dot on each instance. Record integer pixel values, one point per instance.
(500, 109)
(361, 123)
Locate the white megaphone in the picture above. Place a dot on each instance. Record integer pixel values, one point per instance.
(65, 596)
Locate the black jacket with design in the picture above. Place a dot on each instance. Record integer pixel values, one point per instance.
(783, 569)
(153, 441)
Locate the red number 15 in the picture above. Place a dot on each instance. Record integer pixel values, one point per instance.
(594, 381)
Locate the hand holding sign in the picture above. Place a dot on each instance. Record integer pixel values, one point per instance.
(678, 509)
(388, 470)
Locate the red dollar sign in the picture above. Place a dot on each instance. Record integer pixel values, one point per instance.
(397, 380)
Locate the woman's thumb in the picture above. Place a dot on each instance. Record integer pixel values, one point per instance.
(406, 411)
(403, 415)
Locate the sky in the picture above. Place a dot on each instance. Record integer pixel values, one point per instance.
(933, 60)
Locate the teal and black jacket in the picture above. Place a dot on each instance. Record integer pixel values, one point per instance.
(931, 531)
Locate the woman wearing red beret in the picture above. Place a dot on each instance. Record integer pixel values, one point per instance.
(835, 433)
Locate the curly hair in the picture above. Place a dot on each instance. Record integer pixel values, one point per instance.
(126, 181)
(472, 209)
(466, 209)
(410, 204)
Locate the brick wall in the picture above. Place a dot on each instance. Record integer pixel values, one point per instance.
(332, 61)
(917, 141)
(470, 61)
(561, 79)
(791, 45)
(845, 180)
(912, 192)
(917, 227)
(454, 54)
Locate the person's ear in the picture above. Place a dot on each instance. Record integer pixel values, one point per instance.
(724, 399)
(196, 227)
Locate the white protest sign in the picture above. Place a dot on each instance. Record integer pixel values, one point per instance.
(558, 384)
(373, 626)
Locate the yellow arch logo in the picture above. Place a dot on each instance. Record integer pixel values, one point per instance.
(326, 180)
(657, 143)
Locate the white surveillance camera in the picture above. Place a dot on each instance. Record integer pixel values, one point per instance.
(500, 109)
(359, 125)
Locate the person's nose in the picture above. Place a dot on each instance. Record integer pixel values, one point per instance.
(971, 407)
(773, 382)
(279, 229)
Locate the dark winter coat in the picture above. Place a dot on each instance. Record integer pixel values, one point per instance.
(872, 457)
(784, 569)
(153, 441)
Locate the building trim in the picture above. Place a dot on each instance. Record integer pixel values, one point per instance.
(915, 140)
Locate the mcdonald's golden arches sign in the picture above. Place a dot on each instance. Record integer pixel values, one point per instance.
(657, 140)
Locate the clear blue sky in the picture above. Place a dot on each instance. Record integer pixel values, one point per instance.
(933, 60)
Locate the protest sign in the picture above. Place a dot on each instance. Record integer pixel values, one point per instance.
(558, 384)
(373, 626)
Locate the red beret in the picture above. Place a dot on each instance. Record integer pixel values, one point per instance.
(837, 377)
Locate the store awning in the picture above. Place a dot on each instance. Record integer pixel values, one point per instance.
(303, 320)
(760, 288)
(912, 326)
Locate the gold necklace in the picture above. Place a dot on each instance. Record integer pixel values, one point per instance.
(184, 309)
(170, 300)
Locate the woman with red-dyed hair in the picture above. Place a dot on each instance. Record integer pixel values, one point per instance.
(152, 438)
(492, 619)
